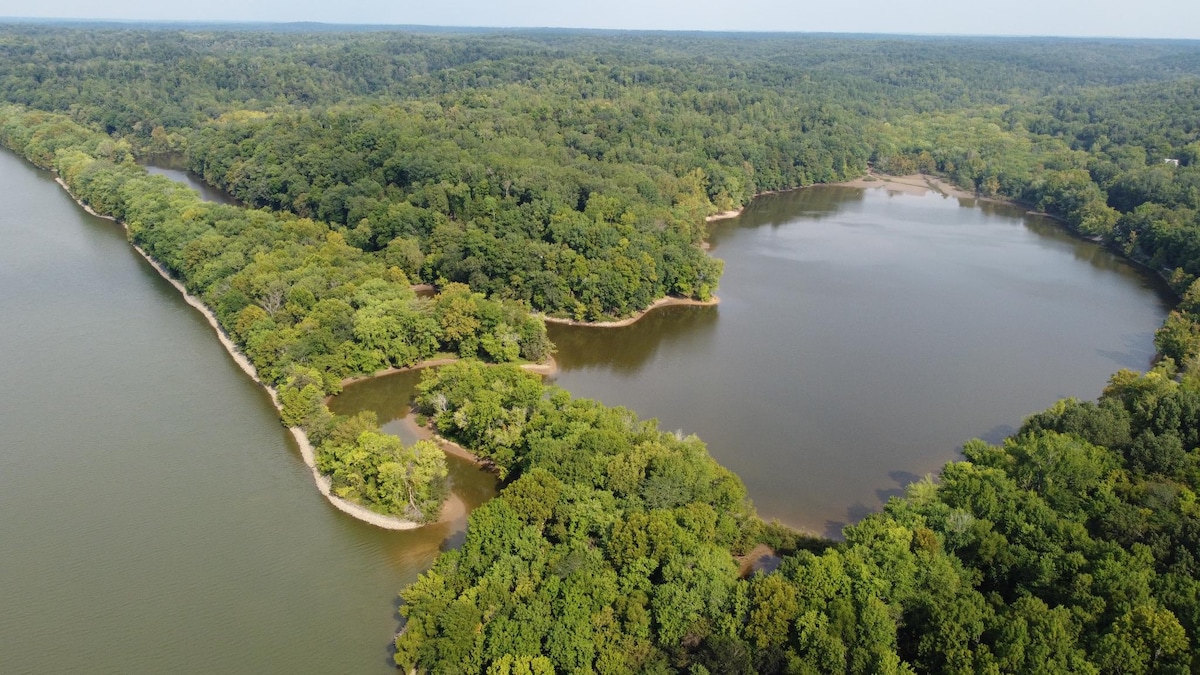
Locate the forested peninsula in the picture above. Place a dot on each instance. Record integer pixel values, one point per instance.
(305, 308)
(570, 174)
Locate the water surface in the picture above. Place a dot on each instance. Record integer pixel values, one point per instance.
(156, 517)
(864, 335)
(174, 166)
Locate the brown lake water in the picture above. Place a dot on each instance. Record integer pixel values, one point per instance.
(864, 335)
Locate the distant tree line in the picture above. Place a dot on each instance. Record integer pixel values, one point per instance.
(569, 173)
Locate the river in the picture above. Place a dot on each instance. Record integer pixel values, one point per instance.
(157, 517)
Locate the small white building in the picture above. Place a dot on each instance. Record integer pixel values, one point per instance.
(1172, 162)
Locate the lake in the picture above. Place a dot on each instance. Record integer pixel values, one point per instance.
(863, 335)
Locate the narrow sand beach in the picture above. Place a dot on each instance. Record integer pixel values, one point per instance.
(920, 183)
(306, 449)
(668, 301)
(913, 184)
(724, 215)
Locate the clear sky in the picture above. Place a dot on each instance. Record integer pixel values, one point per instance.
(1117, 18)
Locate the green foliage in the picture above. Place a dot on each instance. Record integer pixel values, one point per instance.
(570, 174)
(305, 307)
(1062, 550)
(374, 468)
(581, 558)
(1179, 337)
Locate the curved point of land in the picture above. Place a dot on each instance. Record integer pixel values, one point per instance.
(548, 367)
(454, 508)
(428, 363)
(668, 301)
(724, 215)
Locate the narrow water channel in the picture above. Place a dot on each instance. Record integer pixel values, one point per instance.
(175, 167)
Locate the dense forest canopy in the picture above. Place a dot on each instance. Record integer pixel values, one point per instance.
(570, 173)
(567, 171)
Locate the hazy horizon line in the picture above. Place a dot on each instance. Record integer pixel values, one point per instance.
(550, 28)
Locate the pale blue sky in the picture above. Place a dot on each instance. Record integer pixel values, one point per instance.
(1145, 18)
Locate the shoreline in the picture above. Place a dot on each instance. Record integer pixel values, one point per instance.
(667, 301)
(424, 433)
(913, 184)
(547, 367)
(909, 185)
(725, 215)
(307, 452)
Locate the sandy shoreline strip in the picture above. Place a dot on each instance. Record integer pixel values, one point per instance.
(914, 184)
(450, 510)
(725, 215)
(920, 183)
(669, 301)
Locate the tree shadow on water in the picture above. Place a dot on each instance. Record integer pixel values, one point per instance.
(902, 479)
(401, 622)
(1138, 353)
(855, 513)
(628, 349)
(995, 435)
(833, 529)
